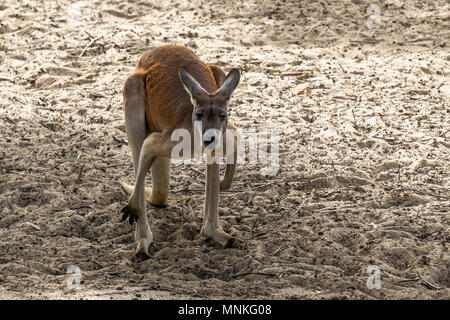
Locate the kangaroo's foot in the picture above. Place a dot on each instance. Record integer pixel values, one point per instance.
(144, 238)
(221, 237)
(139, 257)
(156, 200)
(143, 234)
(128, 189)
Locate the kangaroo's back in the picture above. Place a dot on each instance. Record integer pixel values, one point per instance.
(168, 105)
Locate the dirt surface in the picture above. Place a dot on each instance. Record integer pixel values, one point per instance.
(364, 173)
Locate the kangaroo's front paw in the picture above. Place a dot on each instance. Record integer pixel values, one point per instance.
(131, 214)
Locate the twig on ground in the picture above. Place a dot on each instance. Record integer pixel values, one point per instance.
(7, 119)
(374, 135)
(192, 210)
(343, 98)
(407, 280)
(34, 226)
(195, 170)
(300, 207)
(80, 173)
(202, 190)
(92, 37)
(6, 79)
(90, 44)
(181, 190)
(97, 263)
(420, 210)
(418, 40)
(365, 41)
(250, 273)
(428, 283)
(122, 141)
(82, 206)
(266, 184)
(303, 74)
(107, 273)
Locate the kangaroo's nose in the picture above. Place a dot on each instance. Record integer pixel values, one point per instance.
(207, 141)
(211, 137)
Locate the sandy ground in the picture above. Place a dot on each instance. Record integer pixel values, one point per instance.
(364, 173)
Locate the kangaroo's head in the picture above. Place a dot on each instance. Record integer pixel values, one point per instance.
(210, 109)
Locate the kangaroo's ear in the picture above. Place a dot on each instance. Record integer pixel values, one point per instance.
(230, 83)
(191, 85)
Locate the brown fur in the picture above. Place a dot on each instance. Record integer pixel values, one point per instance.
(168, 105)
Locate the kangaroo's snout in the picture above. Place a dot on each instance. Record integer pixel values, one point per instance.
(211, 138)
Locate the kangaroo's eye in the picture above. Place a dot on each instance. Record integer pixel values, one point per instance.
(223, 115)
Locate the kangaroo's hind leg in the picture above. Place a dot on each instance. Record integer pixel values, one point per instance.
(134, 109)
(137, 133)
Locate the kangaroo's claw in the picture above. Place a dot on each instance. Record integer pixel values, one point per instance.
(222, 238)
(140, 256)
(129, 213)
(233, 243)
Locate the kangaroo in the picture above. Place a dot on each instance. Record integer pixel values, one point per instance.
(173, 89)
